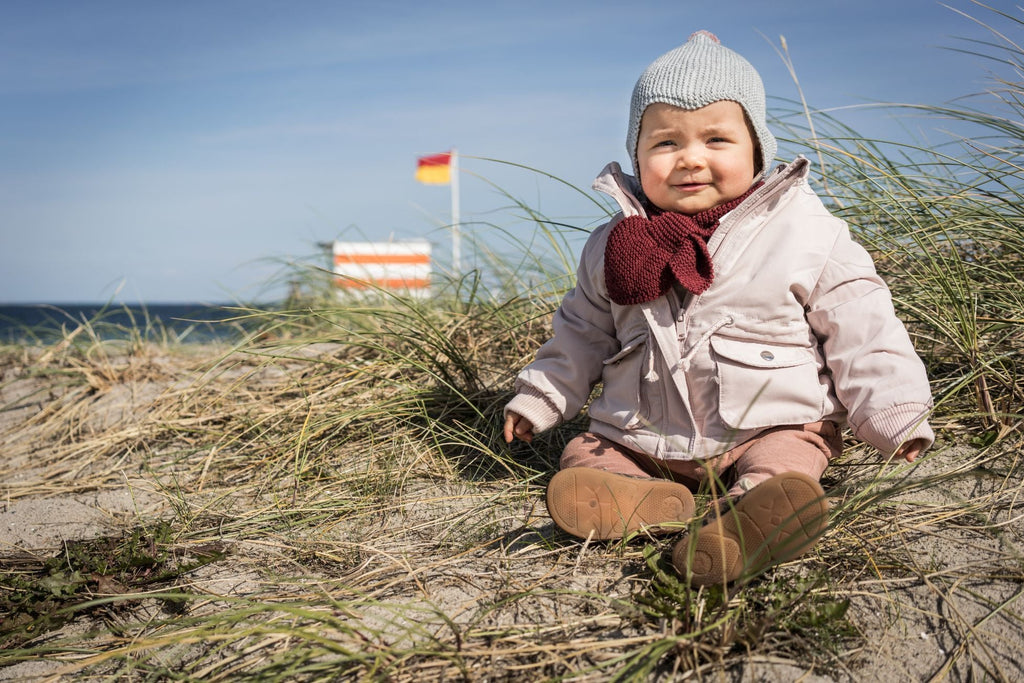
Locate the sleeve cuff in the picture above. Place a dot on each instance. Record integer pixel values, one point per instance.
(900, 424)
(536, 408)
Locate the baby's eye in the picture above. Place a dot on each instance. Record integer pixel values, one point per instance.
(666, 143)
(717, 139)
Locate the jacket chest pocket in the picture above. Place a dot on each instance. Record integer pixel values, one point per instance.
(765, 385)
(627, 396)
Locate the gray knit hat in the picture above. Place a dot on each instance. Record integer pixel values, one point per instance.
(694, 75)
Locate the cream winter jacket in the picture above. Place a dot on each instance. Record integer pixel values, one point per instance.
(796, 327)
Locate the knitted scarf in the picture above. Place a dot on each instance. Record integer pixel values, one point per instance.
(644, 255)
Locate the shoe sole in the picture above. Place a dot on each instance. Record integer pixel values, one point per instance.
(590, 503)
(778, 520)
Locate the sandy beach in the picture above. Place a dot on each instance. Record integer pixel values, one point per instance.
(123, 438)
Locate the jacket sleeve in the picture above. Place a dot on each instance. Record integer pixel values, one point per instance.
(877, 374)
(557, 384)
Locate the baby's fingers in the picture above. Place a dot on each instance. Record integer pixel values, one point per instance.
(510, 426)
(517, 426)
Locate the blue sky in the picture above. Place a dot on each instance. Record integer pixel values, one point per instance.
(184, 151)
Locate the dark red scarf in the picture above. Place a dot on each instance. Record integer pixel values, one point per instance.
(644, 255)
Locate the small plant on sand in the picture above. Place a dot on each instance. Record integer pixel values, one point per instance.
(41, 595)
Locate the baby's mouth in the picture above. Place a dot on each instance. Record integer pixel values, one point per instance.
(690, 186)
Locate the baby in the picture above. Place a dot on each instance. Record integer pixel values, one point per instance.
(734, 327)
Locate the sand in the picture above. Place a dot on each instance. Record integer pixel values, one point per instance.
(77, 465)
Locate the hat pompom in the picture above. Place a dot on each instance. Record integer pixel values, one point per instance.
(706, 34)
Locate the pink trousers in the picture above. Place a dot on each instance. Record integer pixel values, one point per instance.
(802, 448)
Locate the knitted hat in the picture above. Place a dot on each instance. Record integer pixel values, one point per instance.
(694, 75)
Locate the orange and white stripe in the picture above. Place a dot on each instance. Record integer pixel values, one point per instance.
(400, 266)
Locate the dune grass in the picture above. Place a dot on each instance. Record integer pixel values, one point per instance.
(331, 499)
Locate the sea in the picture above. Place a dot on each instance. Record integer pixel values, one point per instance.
(184, 323)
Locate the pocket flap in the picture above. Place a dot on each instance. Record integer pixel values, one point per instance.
(758, 354)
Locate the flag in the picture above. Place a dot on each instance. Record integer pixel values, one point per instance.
(435, 169)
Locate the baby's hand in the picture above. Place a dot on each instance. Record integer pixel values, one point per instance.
(517, 426)
(911, 450)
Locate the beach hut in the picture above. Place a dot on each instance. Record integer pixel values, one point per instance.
(368, 268)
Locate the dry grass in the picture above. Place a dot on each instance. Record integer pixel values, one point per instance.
(346, 509)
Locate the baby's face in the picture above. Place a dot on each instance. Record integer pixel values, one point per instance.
(695, 159)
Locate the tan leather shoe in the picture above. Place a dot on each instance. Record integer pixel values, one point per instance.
(591, 503)
(779, 519)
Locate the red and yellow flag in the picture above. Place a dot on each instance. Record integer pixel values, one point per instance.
(435, 169)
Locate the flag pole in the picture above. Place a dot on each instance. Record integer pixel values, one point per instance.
(456, 237)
